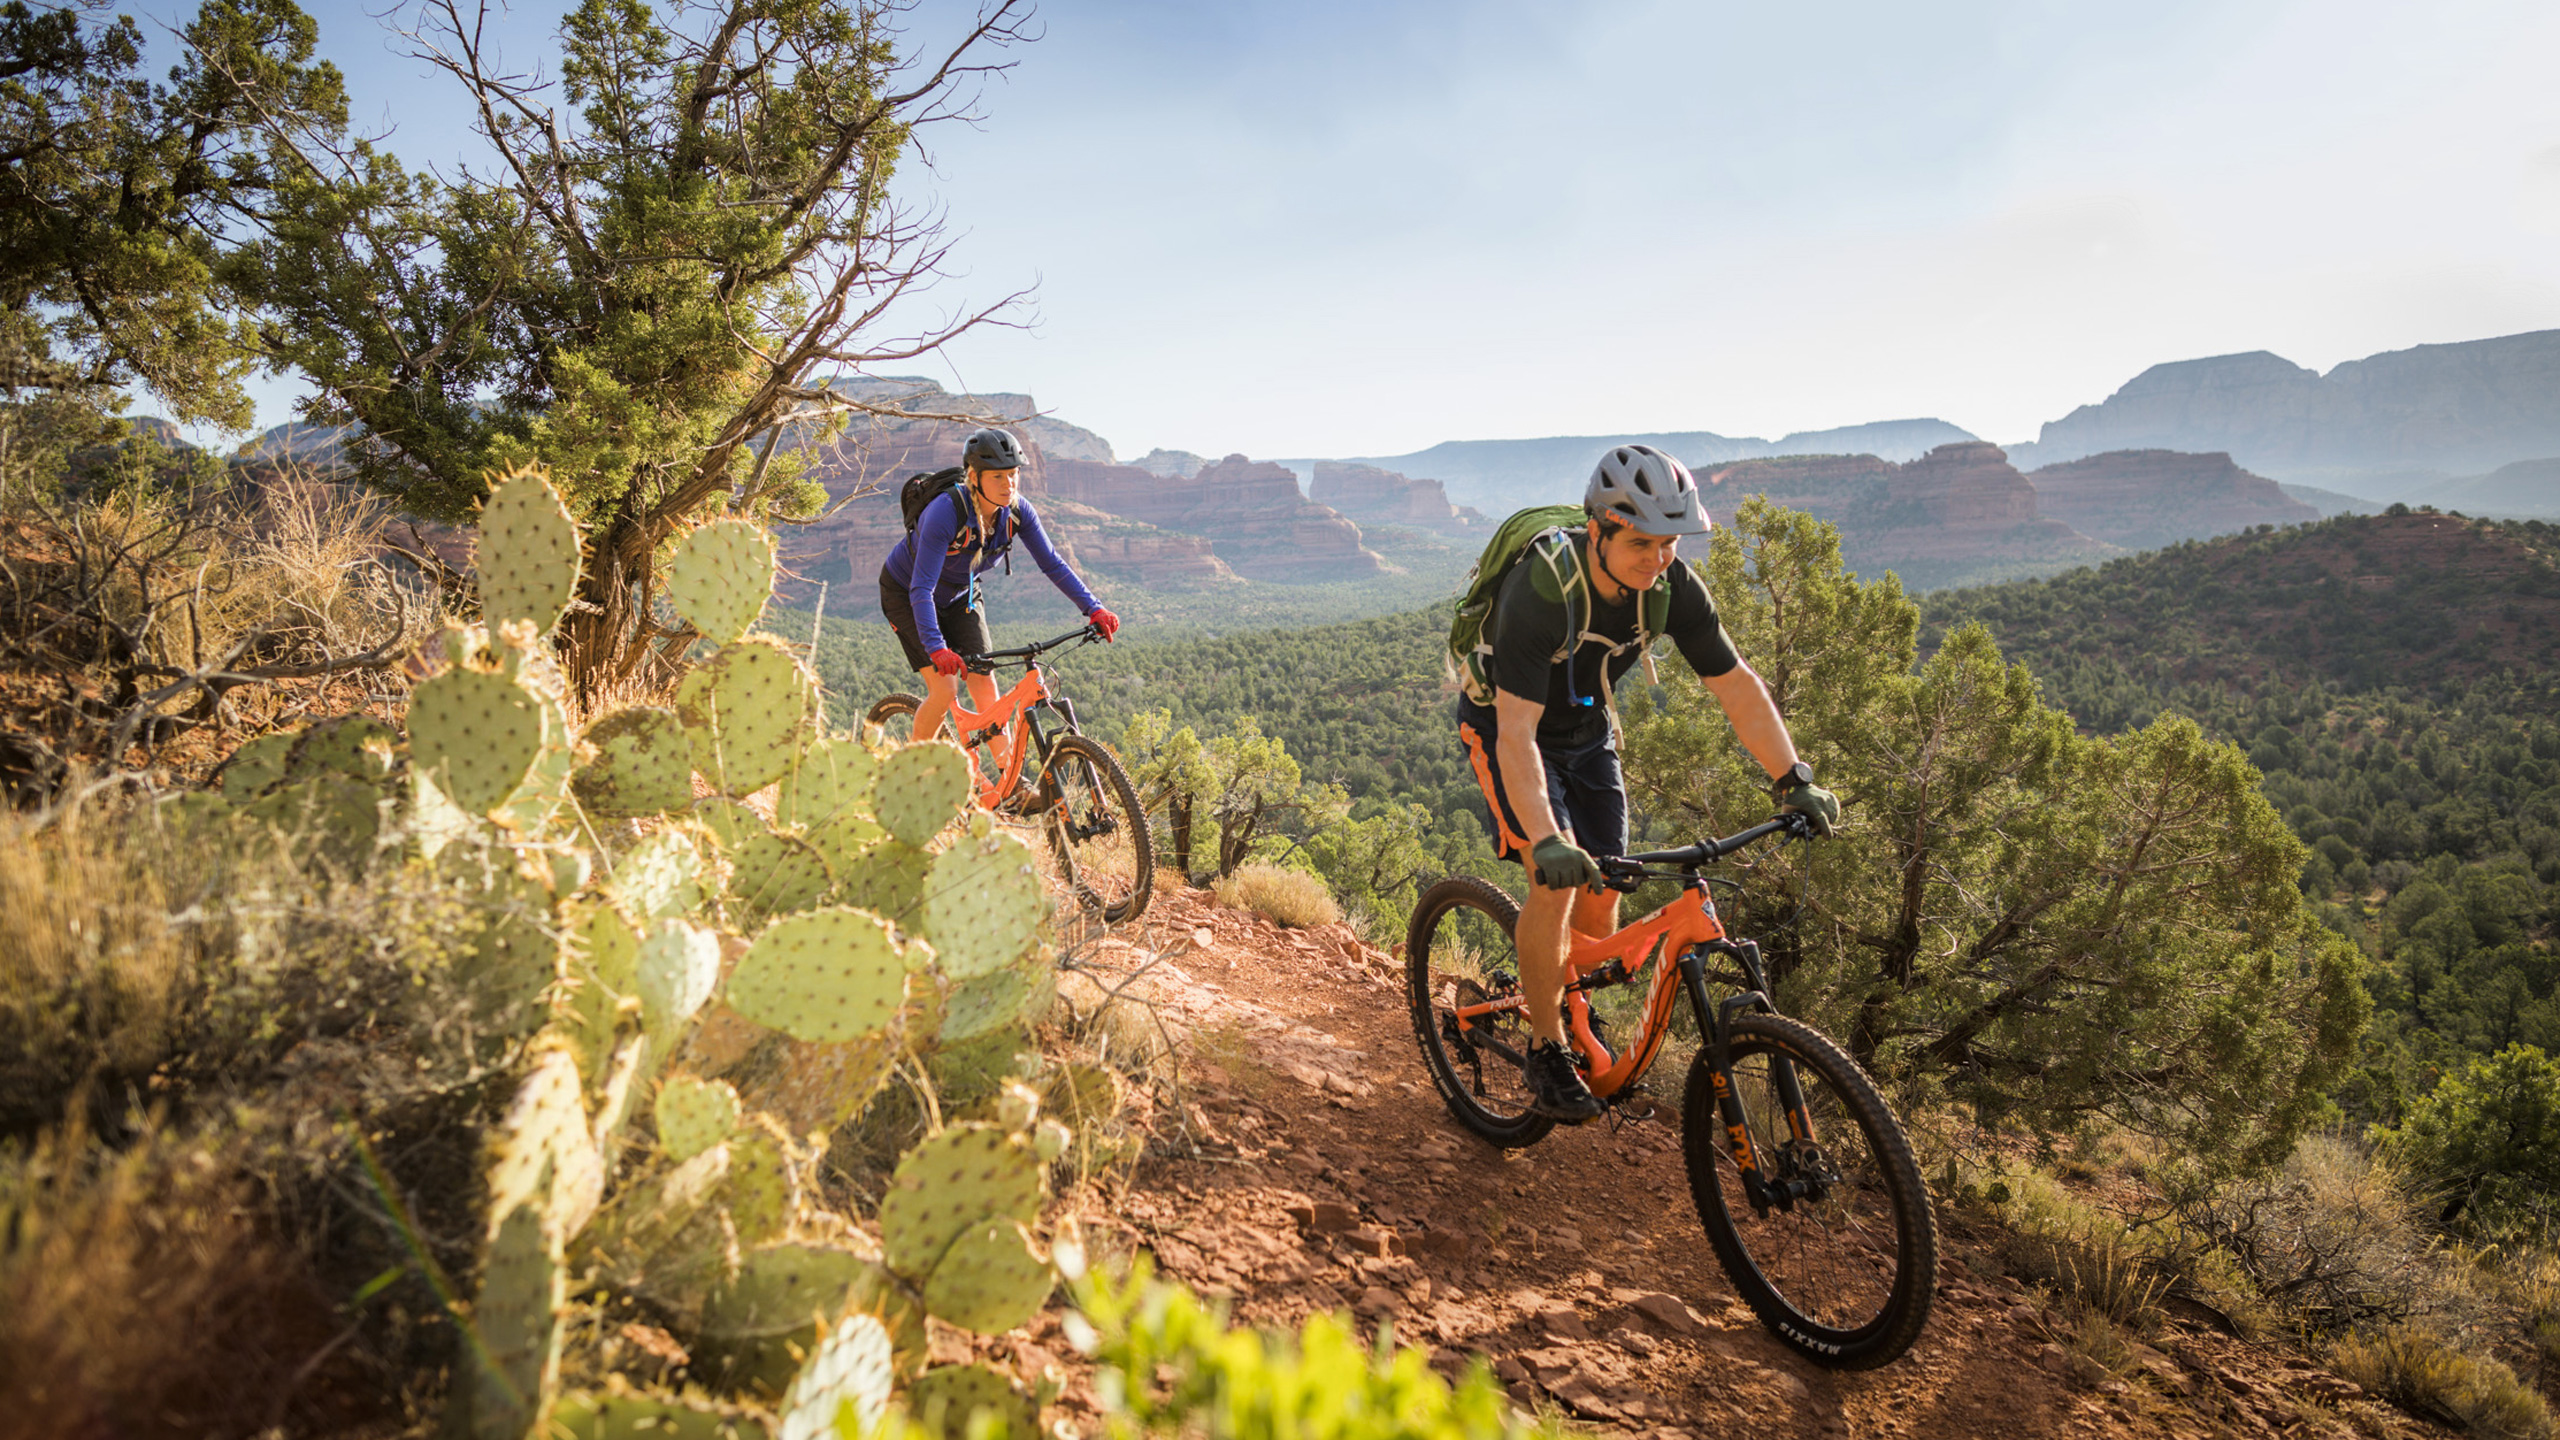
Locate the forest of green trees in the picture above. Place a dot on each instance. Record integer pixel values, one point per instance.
(2407, 730)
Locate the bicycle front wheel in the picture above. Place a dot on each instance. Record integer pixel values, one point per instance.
(1098, 838)
(1458, 953)
(896, 715)
(1842, 1264)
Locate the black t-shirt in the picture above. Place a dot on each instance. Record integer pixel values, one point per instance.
(1529, 624)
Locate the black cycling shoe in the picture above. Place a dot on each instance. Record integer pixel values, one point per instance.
(1555, 1085)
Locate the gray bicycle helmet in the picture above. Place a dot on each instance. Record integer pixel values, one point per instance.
(1640, 486)
(991, 449)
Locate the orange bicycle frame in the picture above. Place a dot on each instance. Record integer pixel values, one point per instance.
(1010, 715)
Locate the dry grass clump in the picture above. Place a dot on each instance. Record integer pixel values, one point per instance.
(2335, 1237)
(2422, 1372)
(1292, 897)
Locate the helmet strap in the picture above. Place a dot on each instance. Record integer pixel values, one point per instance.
(1600, 530)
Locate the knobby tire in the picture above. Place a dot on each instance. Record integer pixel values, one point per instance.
(1466, 923)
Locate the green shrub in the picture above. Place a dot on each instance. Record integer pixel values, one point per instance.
(2491, 1135)
(1165, 1364)
(1292, 897)
(2420, 1371)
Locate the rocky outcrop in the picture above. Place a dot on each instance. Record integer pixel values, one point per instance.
(1959, 514)
(1500, 476)
(1015, 412)
(1251, 512)
(1367, 495)
(1180, 463)
(2144, 499)
(2408, 415)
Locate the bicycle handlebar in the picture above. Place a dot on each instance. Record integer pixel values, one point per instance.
(990, 659)
(1705, 852)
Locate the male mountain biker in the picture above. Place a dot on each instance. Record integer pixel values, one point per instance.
(1545, 749)
(962, 532)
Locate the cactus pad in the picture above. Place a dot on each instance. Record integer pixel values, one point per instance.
(694, 1115)
(888, 879)
(983, 905)
(831, 778)
(543, 1153)
(528, 560)
(720, 576)
(747, 709)
(546, 785)
(851, 1370)
(953, 1180)
(994, 1277)
(825, 976)
(945, 1398)
(254, 768)
(358, 747)
(679, 965)
(819, 1087)
(844, 839)
(921, 789)
(477, 734)
(625, 1415)
(731, 822)
(643, 764)
(967, 1071)
(515, 1326)
(661, 875)
(775, 875)
(760, 1190)
(789, 1286)
(664, 1234)
(976, 1007)
(1082, 1094)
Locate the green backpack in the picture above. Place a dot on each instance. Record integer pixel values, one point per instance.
(1549, 535)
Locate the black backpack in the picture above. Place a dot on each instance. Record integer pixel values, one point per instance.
(925, 487)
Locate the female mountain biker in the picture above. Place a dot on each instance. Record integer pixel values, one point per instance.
(963, 531)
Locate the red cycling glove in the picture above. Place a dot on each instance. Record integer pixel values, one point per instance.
(947, 660)
(1104, 621)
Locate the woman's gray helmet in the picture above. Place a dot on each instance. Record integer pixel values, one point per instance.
(1641, 487)
(991, 449)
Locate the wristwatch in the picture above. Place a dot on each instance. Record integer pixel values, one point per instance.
(1794, 775)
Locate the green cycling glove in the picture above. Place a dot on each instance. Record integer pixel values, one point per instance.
(1559, 864)
(1814, 803)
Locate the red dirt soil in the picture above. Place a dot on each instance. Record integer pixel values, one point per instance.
(1317, 1170)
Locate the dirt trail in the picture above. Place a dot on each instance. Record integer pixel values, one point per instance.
(1322, 1172)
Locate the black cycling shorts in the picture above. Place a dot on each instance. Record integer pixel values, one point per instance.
(963, 629)
(1586, 791)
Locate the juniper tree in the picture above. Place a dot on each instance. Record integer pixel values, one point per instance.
(2048, 927)
(678, 238)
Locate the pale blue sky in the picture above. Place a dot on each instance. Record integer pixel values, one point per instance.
(1322, 227)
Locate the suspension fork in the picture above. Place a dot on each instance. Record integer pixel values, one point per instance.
(1715, 1024)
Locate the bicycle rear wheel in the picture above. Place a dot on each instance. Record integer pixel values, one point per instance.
(1458, 951)
(896, 715)
(1844, 1266)
(1097, 834)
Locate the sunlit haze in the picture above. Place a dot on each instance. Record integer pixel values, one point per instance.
(1330, 228)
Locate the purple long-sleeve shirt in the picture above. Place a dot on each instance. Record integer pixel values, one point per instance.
(939, 532)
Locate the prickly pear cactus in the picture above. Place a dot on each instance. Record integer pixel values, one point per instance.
(993, 1277)
(827, 976)
(921, 789)
(679, 965)
(720, 576)
(775, 875)
(983, 904)
(887, 879)
(848, 1379)
(514, 1354)
(946, 1398)
(528, 559)
(476, 734)
(662, 875)
(748, 709)
(950, 1182)
(643, 764)
(831, 778)
(694, 1115)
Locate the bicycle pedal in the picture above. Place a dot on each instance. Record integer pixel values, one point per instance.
(1634, 1105)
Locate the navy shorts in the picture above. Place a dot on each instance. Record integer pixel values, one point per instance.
(1586, 792)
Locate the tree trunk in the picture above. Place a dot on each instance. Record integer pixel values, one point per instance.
(1182, 833)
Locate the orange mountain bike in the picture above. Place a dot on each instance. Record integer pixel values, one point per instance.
(1800, 1172)
(1100, 839)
